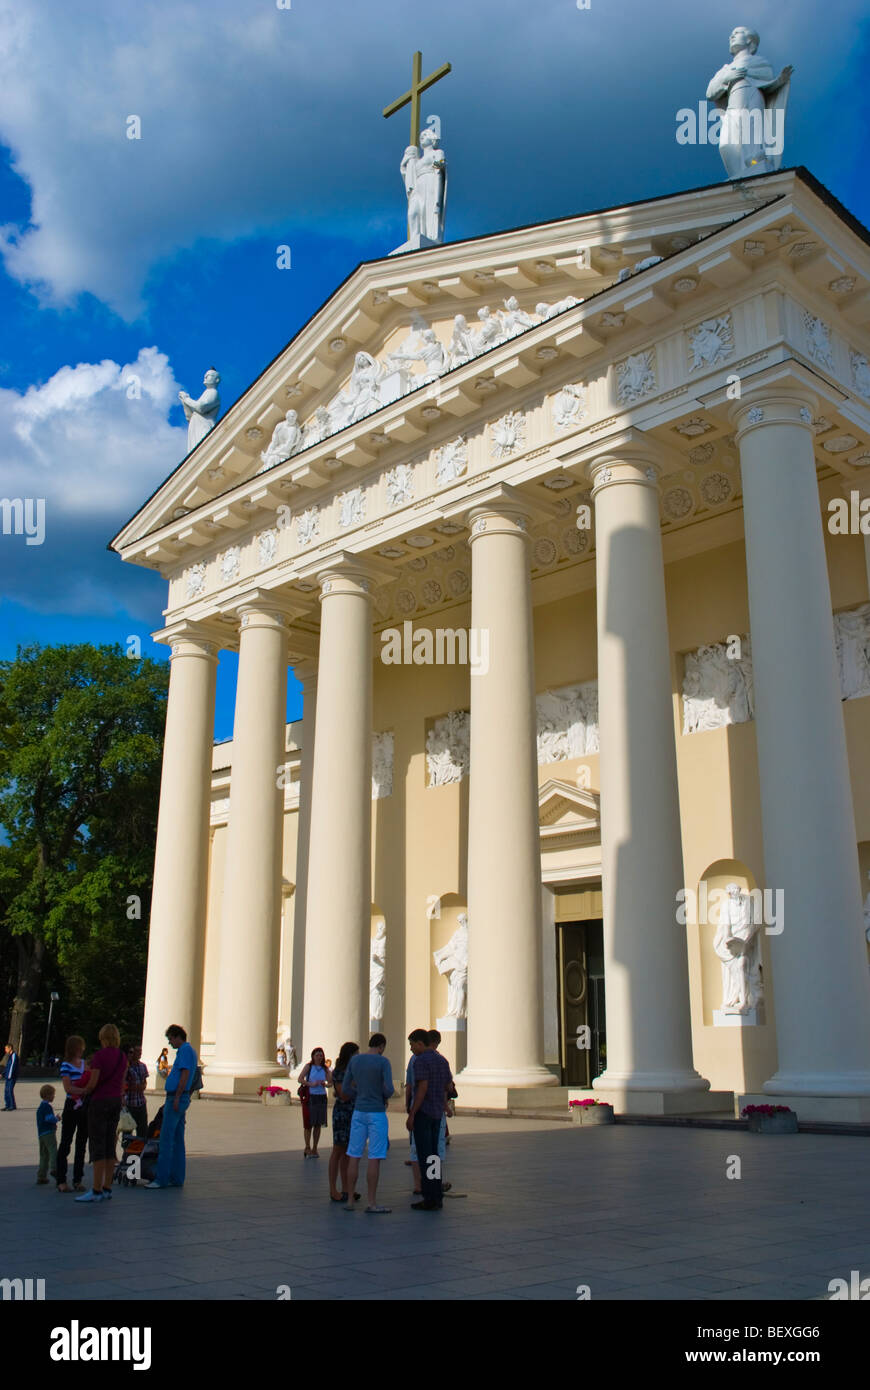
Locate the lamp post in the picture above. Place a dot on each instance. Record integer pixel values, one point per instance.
(53, 1000)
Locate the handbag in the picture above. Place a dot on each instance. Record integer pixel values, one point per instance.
(302, 1093)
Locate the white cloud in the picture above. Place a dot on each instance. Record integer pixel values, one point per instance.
(227, 95)
(93, 441)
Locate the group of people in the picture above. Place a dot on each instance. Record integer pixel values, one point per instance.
(96, 1093)
(362, 1087)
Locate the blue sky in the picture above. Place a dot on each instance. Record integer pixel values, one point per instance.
(261, 127)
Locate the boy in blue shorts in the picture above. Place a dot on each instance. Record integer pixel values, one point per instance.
(370, 1078)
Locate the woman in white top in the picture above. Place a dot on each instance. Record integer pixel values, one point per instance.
(314, 1077)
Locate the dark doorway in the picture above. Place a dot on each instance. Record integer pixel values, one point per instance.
(583, 1042)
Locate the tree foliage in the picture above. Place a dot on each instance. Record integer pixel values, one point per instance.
(81, 732)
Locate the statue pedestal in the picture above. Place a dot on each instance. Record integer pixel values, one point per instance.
(751, 1019)
(453, 1041)
(416, 243)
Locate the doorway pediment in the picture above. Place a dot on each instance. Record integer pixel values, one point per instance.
(567, 813)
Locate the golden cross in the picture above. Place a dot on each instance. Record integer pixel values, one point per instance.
(419, 85)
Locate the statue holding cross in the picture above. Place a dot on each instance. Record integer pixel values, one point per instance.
(424, 166)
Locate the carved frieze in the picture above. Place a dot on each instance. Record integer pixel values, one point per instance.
(448, 749)
(636, 376)
(382, 765)
(567, 722)
(717, 686)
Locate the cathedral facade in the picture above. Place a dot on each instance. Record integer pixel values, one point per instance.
(561, 530)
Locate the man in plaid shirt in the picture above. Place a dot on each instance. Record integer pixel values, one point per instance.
(432, 1082)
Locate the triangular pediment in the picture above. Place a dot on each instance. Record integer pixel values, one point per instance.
(574, 330)
(495, 283)
(566, 811)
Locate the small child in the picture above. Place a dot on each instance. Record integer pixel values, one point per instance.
(46, 1121)
(81, 1084)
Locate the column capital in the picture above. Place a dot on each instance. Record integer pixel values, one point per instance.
(612, 470)
(203, 640)
(501, 507)
(628, 457)
(346, 573)
(774, 405)
(263, 608)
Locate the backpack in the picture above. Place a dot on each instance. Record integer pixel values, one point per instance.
(196, 1083)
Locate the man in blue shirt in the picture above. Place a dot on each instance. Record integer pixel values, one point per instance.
(11, 1075)
(369, 1078)
(171, 1157)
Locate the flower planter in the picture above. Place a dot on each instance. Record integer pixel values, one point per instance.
(282, 1099)
(784, 1122)
(592, 1114)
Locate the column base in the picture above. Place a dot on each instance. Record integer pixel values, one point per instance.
(242, 1080)
(835, 1110)
(660, 1093)
(523, 1088)
(507, 1076)
(626, 1101)
(844, 1083)
(543, 1098)
(650, 1081)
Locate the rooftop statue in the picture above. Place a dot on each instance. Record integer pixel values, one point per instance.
(202, 414)
(424, 164)
(424, 171)
(753, 101)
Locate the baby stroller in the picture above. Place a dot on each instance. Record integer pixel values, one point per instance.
(138, 1161)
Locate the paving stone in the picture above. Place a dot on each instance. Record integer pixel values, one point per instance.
(638, 1213)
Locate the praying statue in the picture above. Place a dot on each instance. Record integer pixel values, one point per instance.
(424, 171)
(378, 974)
(202, 414)
(736, 944)
(452, 961)
(753, 101)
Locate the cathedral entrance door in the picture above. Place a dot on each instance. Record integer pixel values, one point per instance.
(581, 1001)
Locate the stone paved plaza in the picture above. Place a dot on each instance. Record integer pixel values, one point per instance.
(634, 1212)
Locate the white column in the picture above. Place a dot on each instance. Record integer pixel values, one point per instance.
(505, 1026)
(338, 910)
(646, 973)
(306, 672)
(250, 919)
(176, 936)
(818, 962)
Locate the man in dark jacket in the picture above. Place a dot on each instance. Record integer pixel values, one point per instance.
(11, 1075)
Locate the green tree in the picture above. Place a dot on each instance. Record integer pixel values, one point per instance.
(81, 731)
